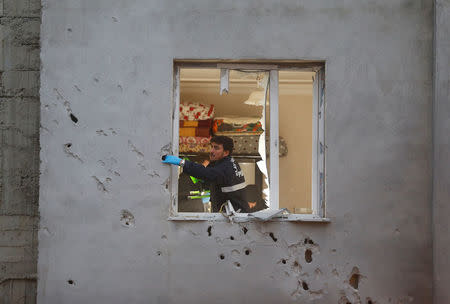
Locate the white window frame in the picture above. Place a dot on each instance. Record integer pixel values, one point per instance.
(318, 151)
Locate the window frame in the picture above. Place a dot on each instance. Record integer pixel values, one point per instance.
(318, 151)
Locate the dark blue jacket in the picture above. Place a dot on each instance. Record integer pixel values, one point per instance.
(226, 181)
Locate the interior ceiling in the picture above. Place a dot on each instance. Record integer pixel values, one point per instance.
(207, 81)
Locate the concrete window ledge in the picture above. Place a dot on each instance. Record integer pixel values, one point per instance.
(243, 217)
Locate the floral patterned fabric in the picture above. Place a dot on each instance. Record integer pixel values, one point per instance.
(191, 144)
(196, 111)
(221, 127)
(248, 145)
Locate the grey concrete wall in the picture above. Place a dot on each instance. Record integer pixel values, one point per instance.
(19, 149)
(109, 63)
(441, 194)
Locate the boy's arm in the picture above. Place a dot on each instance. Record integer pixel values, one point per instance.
(211, 174)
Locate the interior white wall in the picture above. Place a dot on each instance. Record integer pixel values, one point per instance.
(110, 62)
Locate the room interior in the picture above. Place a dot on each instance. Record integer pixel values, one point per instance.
(240, 115)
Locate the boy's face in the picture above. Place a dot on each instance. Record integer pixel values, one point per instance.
(217, 152)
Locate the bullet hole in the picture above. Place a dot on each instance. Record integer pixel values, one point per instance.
(209, 230)
(283, 261)
(70, 153)
(69, 30)
(344, 300)
(308, 241)
(232, 238)
(145, 92)
(167, 186)
(96, 79)
(70, 282)
(158, 253)
(163, 237)
(305, 285)
(369, 301)
(74, 118)
(127, 218)
(245, 230)
(237, 264)
(222, 256)
(114, 19)
(273, 237)
(247, 251)
(308, 256)
(354, 280)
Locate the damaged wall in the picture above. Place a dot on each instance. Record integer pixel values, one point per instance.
(441, 194)
(106, 83)
(19, 149)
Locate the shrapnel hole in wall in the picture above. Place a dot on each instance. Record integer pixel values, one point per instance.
(305, 285)
(308, 255)
(354, 280)
(209, 230)
(245, 230)
(73, 117)
(308, 241)
(273, 237)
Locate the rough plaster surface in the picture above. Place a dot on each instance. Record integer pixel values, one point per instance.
(441, 194)
(109, 64)
(19, 149)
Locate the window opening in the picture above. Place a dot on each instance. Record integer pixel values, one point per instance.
(275, 118)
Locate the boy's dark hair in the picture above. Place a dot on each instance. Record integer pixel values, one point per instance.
(225, 141)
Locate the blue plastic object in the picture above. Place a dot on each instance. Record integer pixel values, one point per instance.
(171, 159)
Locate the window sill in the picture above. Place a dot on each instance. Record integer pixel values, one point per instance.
(244, 217)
